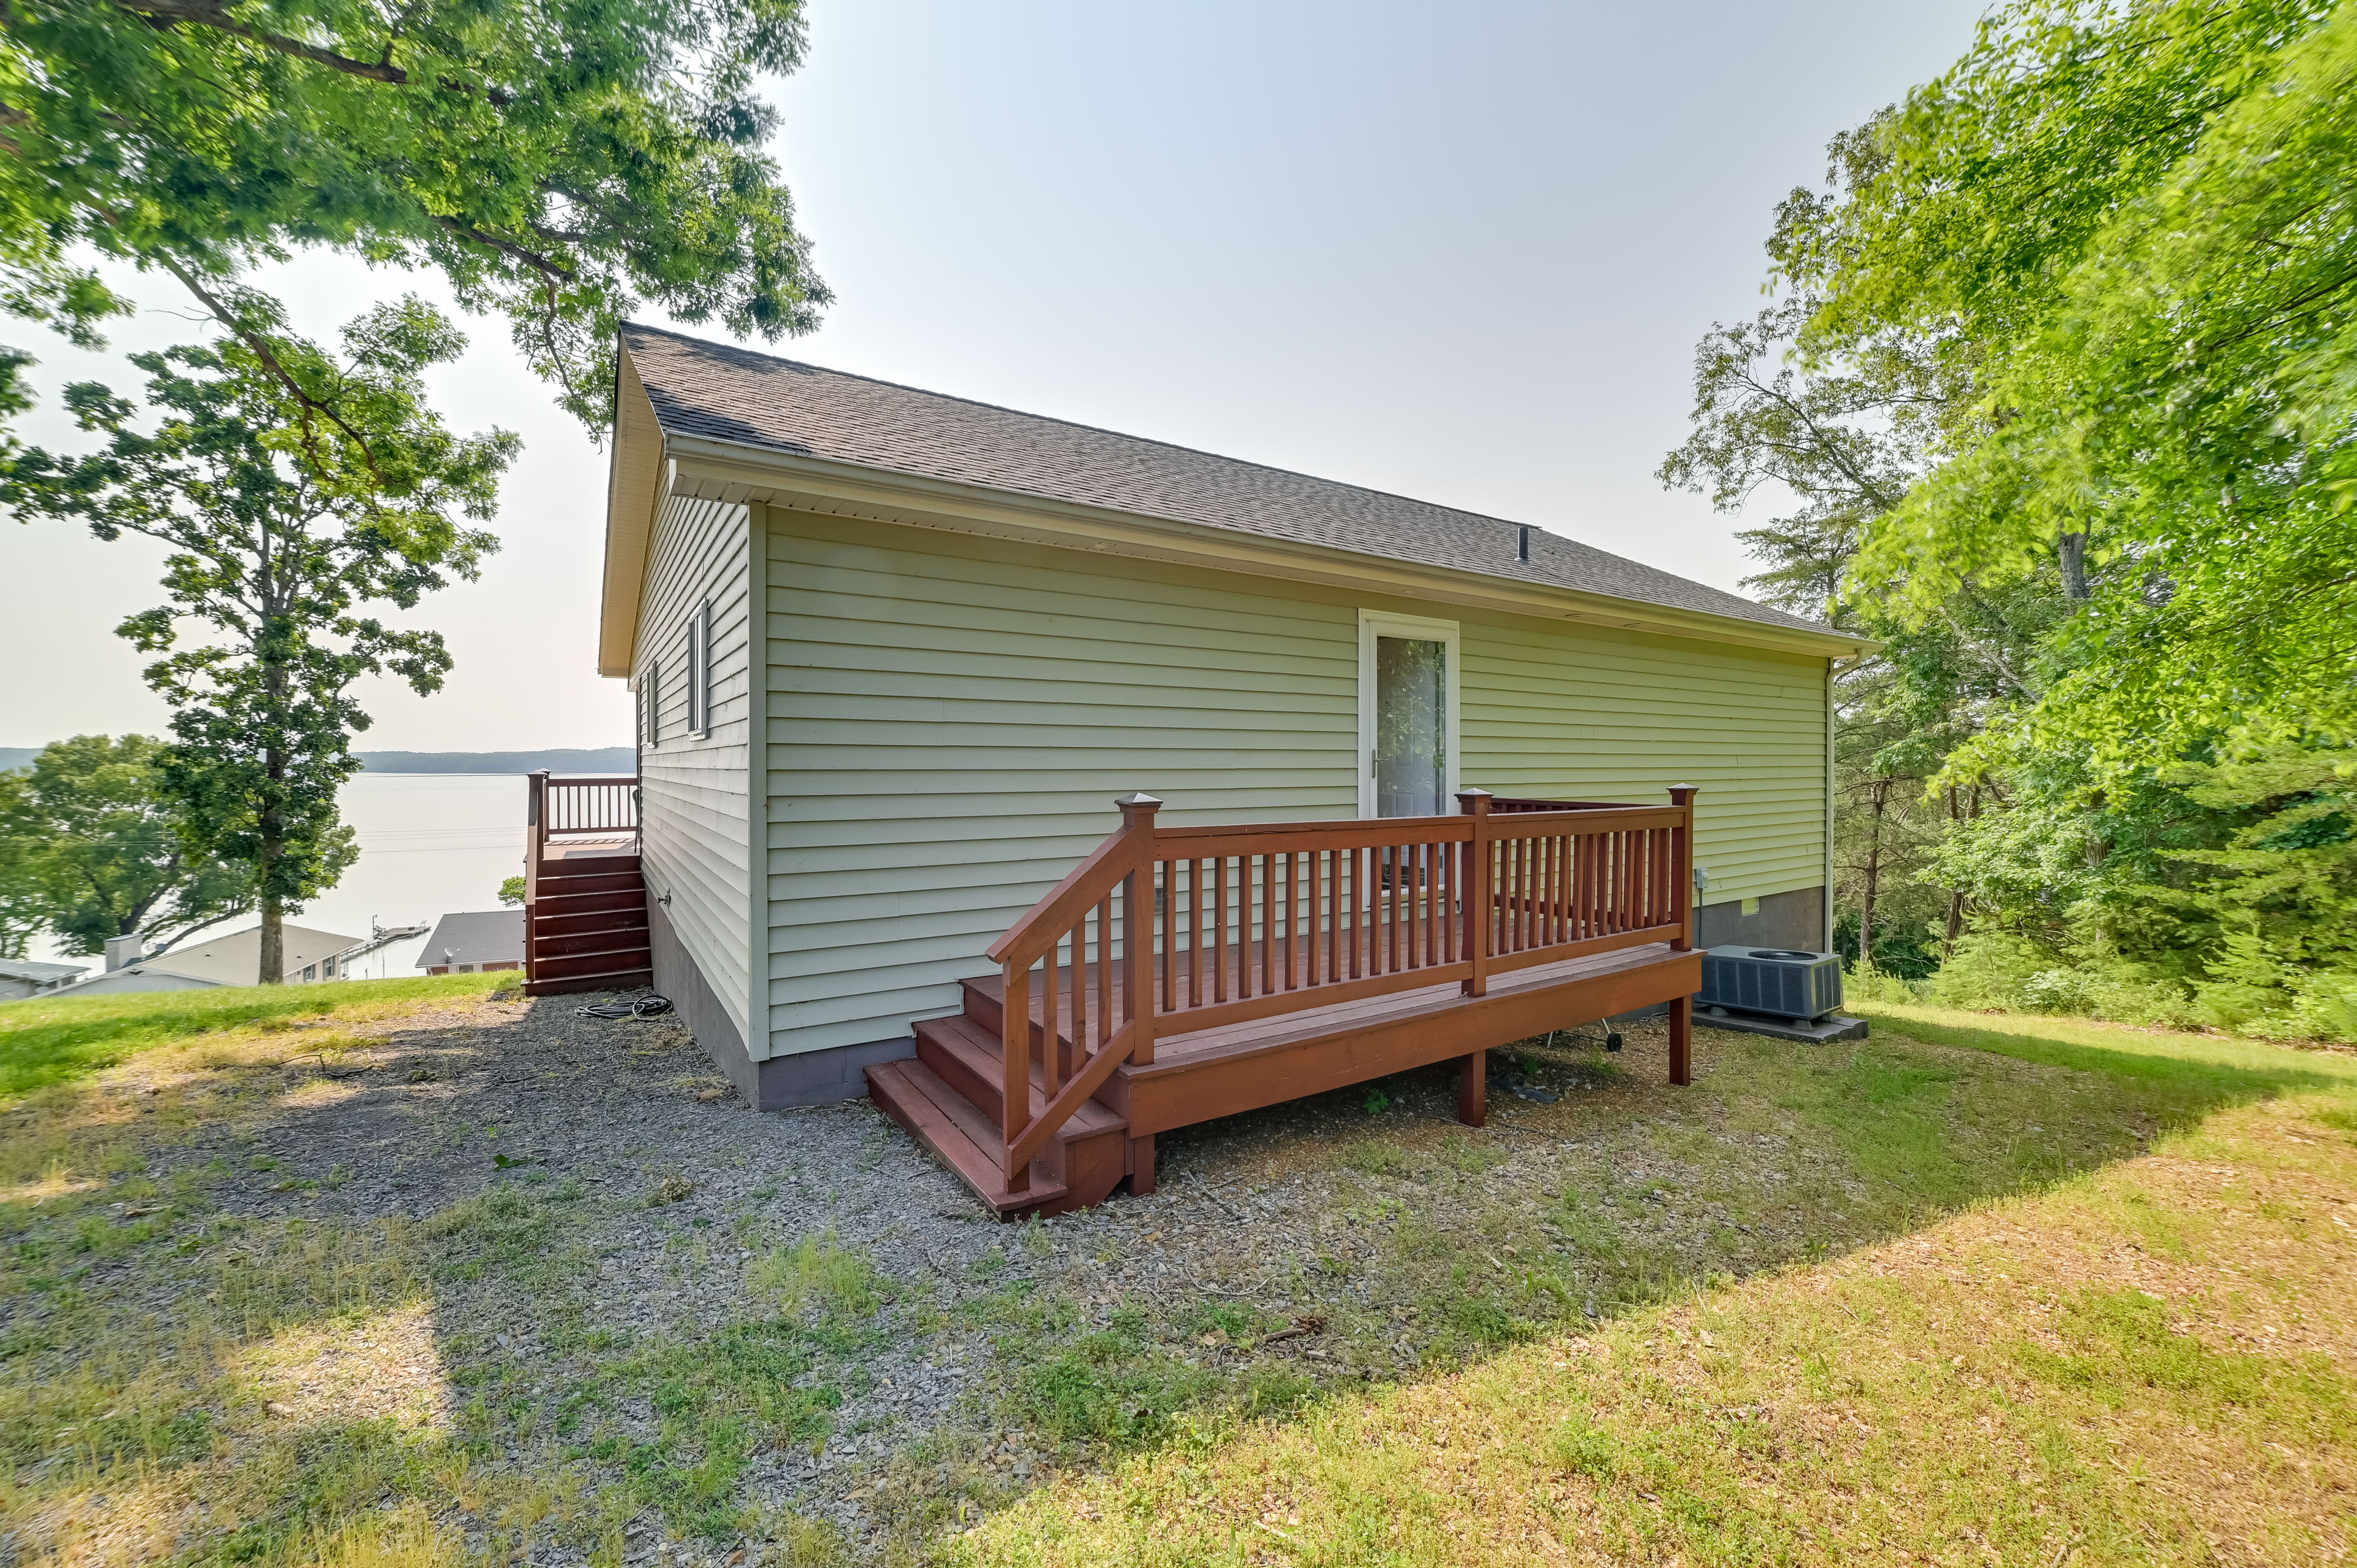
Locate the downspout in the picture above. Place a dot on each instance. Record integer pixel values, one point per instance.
(1826, 899)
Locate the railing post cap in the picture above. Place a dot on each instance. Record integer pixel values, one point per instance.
(1469, 794)
(1136, 798)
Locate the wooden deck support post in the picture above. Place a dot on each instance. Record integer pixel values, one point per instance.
(1682, 858)
(1138, 924)
(1138, 942)
(1479, 920)
(1473, 1089)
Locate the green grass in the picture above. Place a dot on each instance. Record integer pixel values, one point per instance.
(818, 1274)
(2030, 1291)
(58, 1039)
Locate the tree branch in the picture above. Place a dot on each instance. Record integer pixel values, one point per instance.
(261, 351)
(205, 14)
(546, 266)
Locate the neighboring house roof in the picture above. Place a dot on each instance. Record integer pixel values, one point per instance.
(139, 977)
(39, 973)
(490, 936)
(716, 392)
(236, 958)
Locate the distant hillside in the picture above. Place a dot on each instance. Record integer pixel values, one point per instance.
(599, 759)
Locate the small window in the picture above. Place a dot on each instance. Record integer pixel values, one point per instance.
(699, 669)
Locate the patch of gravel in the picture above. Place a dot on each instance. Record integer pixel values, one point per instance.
(685, 1188)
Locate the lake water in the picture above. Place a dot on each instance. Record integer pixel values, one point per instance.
(430, 844)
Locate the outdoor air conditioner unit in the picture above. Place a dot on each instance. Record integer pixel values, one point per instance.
(1801, 986)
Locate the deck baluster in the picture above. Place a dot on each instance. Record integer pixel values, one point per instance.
(1220, 926)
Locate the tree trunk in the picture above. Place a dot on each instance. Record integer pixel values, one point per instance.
(1878, 793)
(1956, 928)
(273, 942)
(2074, 565)
(273, 825)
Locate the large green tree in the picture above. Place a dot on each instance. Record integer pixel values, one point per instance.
(283, 525)
(2138, 227)
(2064, 374)
(91, 849)
(557, 160)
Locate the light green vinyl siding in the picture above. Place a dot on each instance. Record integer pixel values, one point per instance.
(697, 839)
(1561, 712)
(950, 718)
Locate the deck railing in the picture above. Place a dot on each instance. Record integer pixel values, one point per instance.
(1222, 925)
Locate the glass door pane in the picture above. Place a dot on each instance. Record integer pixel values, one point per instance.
(1411, 761)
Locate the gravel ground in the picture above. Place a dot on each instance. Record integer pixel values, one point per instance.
(1304, 1219)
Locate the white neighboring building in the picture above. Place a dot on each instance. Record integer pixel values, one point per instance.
(22, 977)
(391, 954)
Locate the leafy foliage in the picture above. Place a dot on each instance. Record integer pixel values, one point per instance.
(286, 513)
(557, 160)
(2141, 222)
(2064, 378)
(91, 849)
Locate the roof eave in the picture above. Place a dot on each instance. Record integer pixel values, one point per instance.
(736, 471)
(634, 489)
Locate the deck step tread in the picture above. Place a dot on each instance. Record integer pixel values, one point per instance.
(980, 1051)
(609, 960)
(947, 1122)
(566, 984)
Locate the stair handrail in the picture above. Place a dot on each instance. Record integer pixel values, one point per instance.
(536, 844)
(1113, 864)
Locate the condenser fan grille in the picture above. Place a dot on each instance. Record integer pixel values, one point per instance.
(1774, 981)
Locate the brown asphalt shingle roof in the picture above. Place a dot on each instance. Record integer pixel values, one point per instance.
(725, 393)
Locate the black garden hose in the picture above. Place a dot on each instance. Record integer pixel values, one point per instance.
(650, 1005)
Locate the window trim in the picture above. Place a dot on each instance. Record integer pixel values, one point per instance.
(1374, 623)
(699, 671)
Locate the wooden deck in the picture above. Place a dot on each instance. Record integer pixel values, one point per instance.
(1278, 963)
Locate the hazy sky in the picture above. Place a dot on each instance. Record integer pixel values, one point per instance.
(1462, 253)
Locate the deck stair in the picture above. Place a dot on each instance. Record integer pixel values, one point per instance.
(586, 924)
(1197, 972)
(949, 1097)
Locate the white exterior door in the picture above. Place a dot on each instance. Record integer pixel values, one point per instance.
(1407, 715)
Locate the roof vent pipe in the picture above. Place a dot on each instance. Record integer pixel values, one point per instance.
(1523, 546)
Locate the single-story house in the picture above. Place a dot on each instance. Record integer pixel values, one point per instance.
(231, 959)
(23, 977)
(474, 941)
(895, 654)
